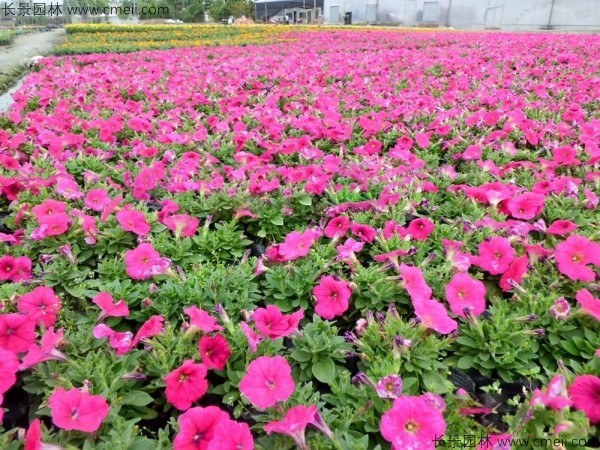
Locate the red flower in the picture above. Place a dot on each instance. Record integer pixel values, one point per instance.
(134, 221)
(273, 324)
(77, 410)
(17, 332)
(106, 303)
(197, 428)
(420, 229)
(573, 255)
(332, 297)
(465, 292)
(495, 255)
(215, 351)
(186, 384)
(9, 366)
(267, 381)
(231, 435)
(585, 394)
(41, 304)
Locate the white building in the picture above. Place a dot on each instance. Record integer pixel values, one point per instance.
(564, 15)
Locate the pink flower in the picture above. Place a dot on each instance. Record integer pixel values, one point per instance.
(144, 262)
(182, 225)
(41, 304)
(202, 320)
(197, 428)
(561, 227)
(412, 424)
(390, 387)
(77, 410)
(17, 332)
(573, 255)
(253, 338)
(432, 314)
(420, 229)
(149, 329)
(515, 273)
(231, 435)
(15, 269)
(215, 351)
(365, 233)
(133, 221)
(297, 245)
(186, 384)
(346, 251)
(555, 395)
(9, 366)
(465, 292)
(495, 255)
(526, 206)
(45, 351)
(294, 424)
(97, 199)
(273, 324)
(415, 283)
(120, 341)
(585, 394)
(267, 381)
(33, 438)
(332, 297)
(589, 303)
(106, 303)
(337, 227)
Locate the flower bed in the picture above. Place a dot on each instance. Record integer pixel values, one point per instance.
(362, 241)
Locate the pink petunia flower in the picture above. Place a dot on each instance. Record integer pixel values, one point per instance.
(120, 341)
(332, 297)
(526, 206)
(108, 306)
(495, 255)
(144, 262)
(149, 329)
(412, 424)
(297, 245)
(267, 381)
(272, 323)
(589, 303)
(585, 394)
(420, 229)
(337, 227)
(465, 292)
(433, 315)
(197, 427)
(365, 233)
(202, 320)
(77, 410)
(554, 396)
(133, 221)
(415, 283)
(17, 332)
(215, 351)
(186, 384)
(294, 424)
(561, 227)
(514, 274)
(182, 225)
(253, 338)
(33, 438)
(390, 386)
(573, 255)
(41, 304)
(9, 366)
(46, 351)
(231, 435)
(97, 200)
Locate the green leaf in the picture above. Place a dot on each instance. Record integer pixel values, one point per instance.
(277, 221)
(305, 200)
(301, 356)
(324, 370)
(137, 398)
(464, 363)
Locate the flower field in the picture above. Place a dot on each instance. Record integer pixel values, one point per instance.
(361, 240)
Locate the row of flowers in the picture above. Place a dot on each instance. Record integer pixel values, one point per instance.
(365, 240)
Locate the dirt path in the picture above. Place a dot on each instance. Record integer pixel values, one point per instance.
(27, 46)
